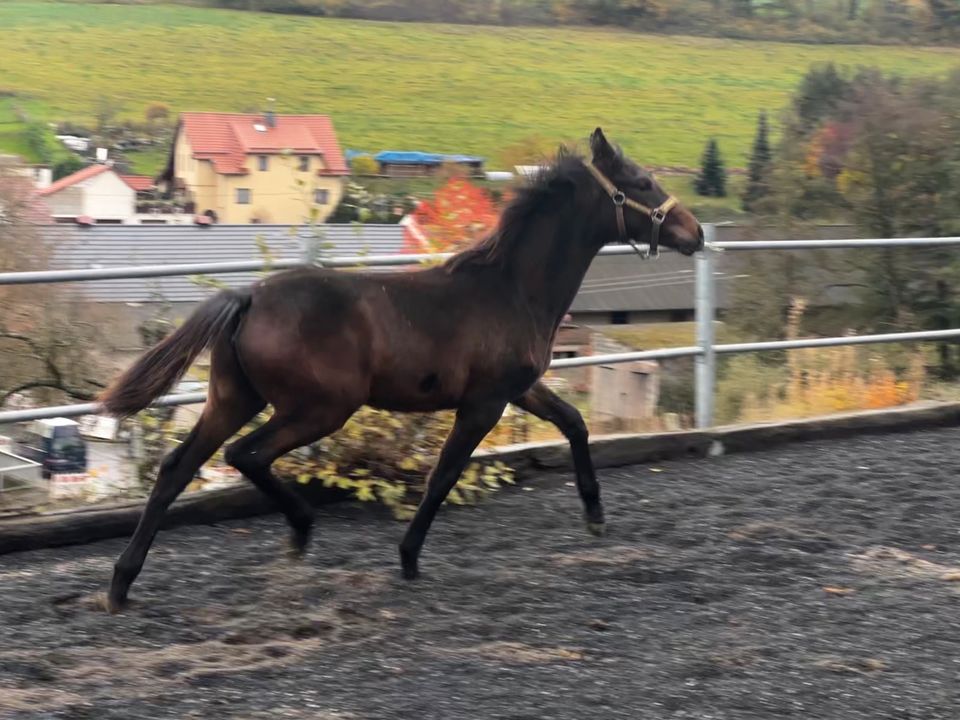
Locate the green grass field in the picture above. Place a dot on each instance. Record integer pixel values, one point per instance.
(411, 86)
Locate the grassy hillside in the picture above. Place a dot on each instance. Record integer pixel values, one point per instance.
(444, 88)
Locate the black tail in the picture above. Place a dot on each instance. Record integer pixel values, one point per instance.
(158, 369)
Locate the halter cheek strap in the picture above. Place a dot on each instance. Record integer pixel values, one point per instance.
(657, 215)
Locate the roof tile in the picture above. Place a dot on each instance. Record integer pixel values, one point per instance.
(79, 176)
(140, 183)
(227, 138)
(123, 245)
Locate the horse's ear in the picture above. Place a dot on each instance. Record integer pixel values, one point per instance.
(601, 148)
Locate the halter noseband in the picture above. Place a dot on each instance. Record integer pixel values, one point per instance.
(657, 215)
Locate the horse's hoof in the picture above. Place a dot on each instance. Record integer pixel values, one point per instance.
(599, 529)
(295, 553)
(409, 563)
(297, 548)
(111, 605)
(299, 540)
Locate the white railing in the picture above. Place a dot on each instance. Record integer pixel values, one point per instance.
(17, 468)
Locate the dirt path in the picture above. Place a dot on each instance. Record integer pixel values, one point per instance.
(817, 581)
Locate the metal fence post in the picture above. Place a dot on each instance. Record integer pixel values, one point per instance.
(311, 246)
(705, 314)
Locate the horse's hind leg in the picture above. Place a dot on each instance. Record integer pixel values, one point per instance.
(222, 417)
(546, 405)
(469, 429)
(254, 454)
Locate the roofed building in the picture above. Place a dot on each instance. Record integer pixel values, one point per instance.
(625, 289)
(80, 247)
(121, 305)
(245, 168)
(397, 163)
(95, 194)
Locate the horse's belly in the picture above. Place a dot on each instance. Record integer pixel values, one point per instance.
(412, 391)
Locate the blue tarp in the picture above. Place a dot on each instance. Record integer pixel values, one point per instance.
(402, 157)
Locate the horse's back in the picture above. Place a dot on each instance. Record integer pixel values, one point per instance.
(305, 337)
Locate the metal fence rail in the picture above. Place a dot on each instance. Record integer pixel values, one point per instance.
(832, 244)
(704, 352)
(15, 416)
(12, 465)
(43, 277)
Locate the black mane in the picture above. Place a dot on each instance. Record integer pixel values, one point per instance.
(565, 170)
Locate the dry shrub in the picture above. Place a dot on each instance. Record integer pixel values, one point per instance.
(819, 381)
(386, 457)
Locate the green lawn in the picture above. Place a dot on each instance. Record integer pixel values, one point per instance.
(432, 87)
(665, 335)
(148, 162)
(12, 138)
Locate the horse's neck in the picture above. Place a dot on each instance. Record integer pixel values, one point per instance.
(549, 263)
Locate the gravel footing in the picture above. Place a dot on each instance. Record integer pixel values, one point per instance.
(818, 580)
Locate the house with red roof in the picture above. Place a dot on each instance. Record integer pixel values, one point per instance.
(99, 195)
(247, 168)
(95, 194)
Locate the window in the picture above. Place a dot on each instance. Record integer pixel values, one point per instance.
(619, 317)
(243, 196)
(304, 163)
(262, 163)
(321, 197)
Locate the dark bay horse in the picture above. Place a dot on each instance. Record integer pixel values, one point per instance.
(471, 335)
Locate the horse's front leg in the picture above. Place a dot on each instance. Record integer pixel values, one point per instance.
(547, 405)
(471, 426)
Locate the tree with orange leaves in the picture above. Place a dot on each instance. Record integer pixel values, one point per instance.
(459, 215)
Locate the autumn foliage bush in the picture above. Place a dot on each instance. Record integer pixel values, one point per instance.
(822, 381)
(459, 215)
(386, 457)
(816, 381)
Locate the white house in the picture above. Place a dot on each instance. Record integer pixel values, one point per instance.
(95, 194)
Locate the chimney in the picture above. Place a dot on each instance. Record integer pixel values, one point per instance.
(269, 118)
(43, 177)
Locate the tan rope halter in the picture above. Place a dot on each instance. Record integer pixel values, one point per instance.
(657, 215)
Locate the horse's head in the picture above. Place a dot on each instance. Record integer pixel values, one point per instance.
(636, 207)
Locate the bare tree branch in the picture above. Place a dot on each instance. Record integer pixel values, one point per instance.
(43, 344)
(74, 393)
(21, 338)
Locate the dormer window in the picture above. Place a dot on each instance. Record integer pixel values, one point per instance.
(262, 163)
